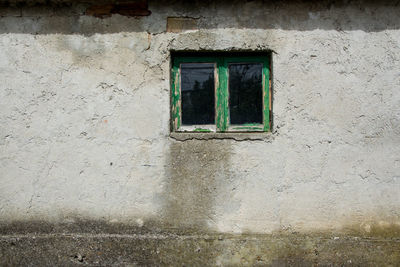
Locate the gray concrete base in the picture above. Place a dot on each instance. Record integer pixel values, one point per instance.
(123, 247)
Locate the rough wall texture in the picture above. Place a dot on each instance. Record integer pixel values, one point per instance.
(85, 133)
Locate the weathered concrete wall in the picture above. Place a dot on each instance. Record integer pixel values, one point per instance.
(84, 121)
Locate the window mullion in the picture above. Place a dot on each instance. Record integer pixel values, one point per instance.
(222, 96)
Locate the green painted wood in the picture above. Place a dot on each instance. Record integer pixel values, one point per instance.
(221, 91)
(259, 59)
(266, 96)
(176, 117)
(261, 128)
(179, 60)
(252, 124)
(176, 105)
(239, 59)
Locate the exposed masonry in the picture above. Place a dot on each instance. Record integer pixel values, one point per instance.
(85, 118)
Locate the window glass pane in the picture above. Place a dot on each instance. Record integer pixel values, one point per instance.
(245, 93)
(198, 97)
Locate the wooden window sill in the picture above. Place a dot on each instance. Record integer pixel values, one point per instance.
(248, 136)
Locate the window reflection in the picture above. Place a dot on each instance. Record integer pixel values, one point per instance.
(245, 93)
(198, 97)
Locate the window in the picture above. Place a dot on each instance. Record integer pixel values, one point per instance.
(221, 93)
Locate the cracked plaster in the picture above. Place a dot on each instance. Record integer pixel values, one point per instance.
(84, 122)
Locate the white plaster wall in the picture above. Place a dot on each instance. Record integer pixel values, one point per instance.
(84, 116)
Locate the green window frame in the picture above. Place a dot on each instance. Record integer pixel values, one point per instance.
(222, 119)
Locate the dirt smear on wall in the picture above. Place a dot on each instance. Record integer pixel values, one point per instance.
(196, 172)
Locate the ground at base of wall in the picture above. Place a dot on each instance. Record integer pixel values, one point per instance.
(163, 249)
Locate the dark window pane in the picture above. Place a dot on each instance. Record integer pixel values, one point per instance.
(198, 97)
(245, 93)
